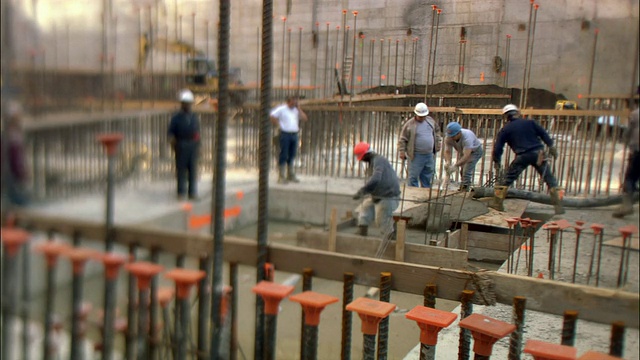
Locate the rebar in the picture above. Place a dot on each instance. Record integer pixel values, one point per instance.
(383, 327)
(310, 340)
(466, 309)
(528, 71)
(600, 241)
(204, 304)
(616, 346)
(9, 291)
(353, 55)
(219, 155)
(435, 46)
(430, 293)
(233, 303)
(578, 230)
(593, 63)
(299, 72)
(347, 298)
(76, 310)
(570, 318)
(47, 353)
(307, 277)
(326, 63)
(428, 67)
(515, 340)
(526, 56)
(26, 300)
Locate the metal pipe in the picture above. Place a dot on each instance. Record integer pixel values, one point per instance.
(569, 322)
(578, 230)
(515, 340)
(526, 56)
(263, 178)
(466, 309)
(219, 177)
(347, 298)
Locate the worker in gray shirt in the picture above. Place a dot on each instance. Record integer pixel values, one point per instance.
(469, 150)
(382, 186)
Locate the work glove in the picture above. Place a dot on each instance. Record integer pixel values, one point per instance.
(402, 155)
(553, 152)
(451, 169)
(497, 166)
(359, 195)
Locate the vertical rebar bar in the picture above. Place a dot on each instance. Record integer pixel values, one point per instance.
(316, 38)
(353, 55)
(26, 301)
(435, 46)
(220, 156)
(299, 72)
(507, 53)
(575, 253)
(347, 298)
(143, 321)
(9, 292)
(153, 307)
(616, 347)
(528, 71)
(307, 277)
(130, 349)
(233, 303)
(526, 56)
(515, 340)
(404, 58)
(288, 92)
(76, 311)
(264, 160)
(326, 63)
(310, 342)
(383, 327)
(428, 67)
(593, 63)
(532, 238)
(430, 292)
(108, 322)
(49, 306)
(466, 309)
(284, 43)
(600, 240)
(368, 347)
(204, 304)
(371, 57)
(569, 321)
(395, 76)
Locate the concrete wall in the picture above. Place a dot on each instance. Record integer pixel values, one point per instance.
(562, 55)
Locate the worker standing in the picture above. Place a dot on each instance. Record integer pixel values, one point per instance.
(184, 137)
(524, 137)
(382, 186)
(469, 151)
(419, 141)
(14, 167)
(287, 117)
(632, 173)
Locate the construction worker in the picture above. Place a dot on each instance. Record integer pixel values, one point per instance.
(383, 187)
(523, 137)
(184, 137)
(419, 141)
(14, 167)
(632, 173)
(287, 117)
(469, 150)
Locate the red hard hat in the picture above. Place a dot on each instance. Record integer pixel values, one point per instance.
(360, 149)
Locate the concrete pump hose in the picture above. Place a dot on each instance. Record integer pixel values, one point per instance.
(480, 192)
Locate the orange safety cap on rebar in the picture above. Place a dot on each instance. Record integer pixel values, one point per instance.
(313, 303)
(563, 224)
(51, 250)
(112, 263)
(272, 294)
(144, 271)
(12, 239)
(511, 221)
(184, 279)
(430, 321)
(486, 331)
(110, 142)
(542, 350)
(165, 294)
(534, 222)
(78, 257)
(628, 230)
(597, 228)
(596, 355)
(370, 312)
(552, 227)
(580, 222)
(578, 229)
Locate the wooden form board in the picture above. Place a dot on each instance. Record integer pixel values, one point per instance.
(554, 297)
(495, 218)
(634, 244)
(414, 197)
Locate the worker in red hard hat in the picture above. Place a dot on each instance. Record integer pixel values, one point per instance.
(184, 137)
(382, 188)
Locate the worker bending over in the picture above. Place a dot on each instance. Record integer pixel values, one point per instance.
(523, 137)
(469, 150)
(382, 185)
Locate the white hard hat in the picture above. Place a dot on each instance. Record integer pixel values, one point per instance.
(421, 109)
(186, 96)
(509, 108)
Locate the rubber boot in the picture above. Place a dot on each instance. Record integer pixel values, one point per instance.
(556, 200)
(291, 174)
(626, 208)
(363, 230)
(500, 193)
(282, 178)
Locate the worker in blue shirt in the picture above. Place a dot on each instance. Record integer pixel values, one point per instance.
(525, 137)
(184, 137)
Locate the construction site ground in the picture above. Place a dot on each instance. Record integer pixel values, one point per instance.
(141, 205)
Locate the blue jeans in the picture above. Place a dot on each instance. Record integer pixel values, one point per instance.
(469, 169)
(522, 161)
(288, 148)
(381, 213)
(421, 168)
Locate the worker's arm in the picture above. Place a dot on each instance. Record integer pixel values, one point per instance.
(303, 115)
(543, 134)
(466, 156)
(403, 140)
(274, 121)
(275, 116)
(375, 178)
(171, 132)
(498, 147)
(447, 152)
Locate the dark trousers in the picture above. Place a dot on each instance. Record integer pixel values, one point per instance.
(288, 148)
(187, 167)
(522, 161)
(632, 174)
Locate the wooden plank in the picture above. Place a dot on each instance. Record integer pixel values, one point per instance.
(554, 297)
(464, 236)
(401, 233)
(333, 229)
(346, 224)
(485, 240)
(489, 255)
(495, 218)
(454, 240)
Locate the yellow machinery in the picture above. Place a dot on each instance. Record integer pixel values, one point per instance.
(566, 105)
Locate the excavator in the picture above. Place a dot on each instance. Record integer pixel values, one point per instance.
(201, 74)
